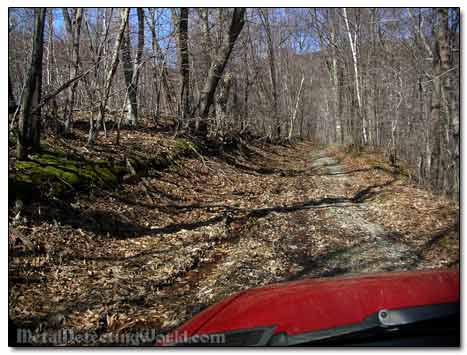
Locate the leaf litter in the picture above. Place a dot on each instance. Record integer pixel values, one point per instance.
(150, 258)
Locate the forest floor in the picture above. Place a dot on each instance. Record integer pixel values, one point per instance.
(154, 251)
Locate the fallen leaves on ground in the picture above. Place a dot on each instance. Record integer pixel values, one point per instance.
(140, 258)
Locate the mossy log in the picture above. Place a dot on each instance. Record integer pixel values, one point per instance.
(55, 174)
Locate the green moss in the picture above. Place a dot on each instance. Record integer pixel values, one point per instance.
(36, 173)
(107, 175)
(120, 169)
(55, 173)
(183, 145)
(52, 174)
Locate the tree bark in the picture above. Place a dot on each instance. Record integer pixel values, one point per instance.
(353, 48)
(294, 115)
(334, 79)
(159, 59)
(207, 42)
(74, 31)
(184, 65)
(218, 64)
(129, 74)
(11, 97)
(140, 48)
(28, 140)
(447, 96)
(221, 103)
(110, 74)
(51, 62)
(435, 111)
(272, 70)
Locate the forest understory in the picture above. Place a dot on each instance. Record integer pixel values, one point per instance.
(162, 245)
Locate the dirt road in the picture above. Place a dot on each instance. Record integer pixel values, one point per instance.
(155, 252)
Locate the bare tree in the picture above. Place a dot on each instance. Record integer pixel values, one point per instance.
(51, 62)
(294, 115)
(159, 70)
(11, 97)
(184, 64)
(74, 31)
(221, 102)
(29, 122)
(207, 45)
(109, 77)
(218, 64)
(387, 77)
(129, 74)
(264, 15)
(140, 48)
(436, 113)
(131, 69)
(451, 119)
(353, 48)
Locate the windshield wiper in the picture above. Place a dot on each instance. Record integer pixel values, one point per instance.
(384, 319)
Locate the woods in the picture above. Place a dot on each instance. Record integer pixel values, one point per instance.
(162, 159)
(364, 76)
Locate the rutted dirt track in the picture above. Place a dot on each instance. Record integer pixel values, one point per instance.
(155, 252)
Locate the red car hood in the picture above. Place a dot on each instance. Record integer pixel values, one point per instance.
(315, 304)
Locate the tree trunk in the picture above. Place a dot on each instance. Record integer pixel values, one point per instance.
(221, 103)
(109, 77)
(29, 122)
(11, 97)
(436, 114)
(272, 70)
(207, 45)
(74, 31)
(353, 48)
(334, 79)
(294, 115)
(139, 51)
(129, 74)
(448, 99)
(51, 63)
(159, 58)
(184, 65)
(219, 63)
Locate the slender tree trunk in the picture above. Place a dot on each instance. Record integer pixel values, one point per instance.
(452, 121)
(353, 48)
(272, 70)
(436, 114)
(132, 69)
(218, 65)
(207, 42)
(129, 74)
(51, 60)
(245, 96)
(110, 74)
(139, 53)
(334, 78)
(12, 105)
(29, 122)
(184, 65)
(294, 115)
(11, 97)
(74, 32)
(159, 59)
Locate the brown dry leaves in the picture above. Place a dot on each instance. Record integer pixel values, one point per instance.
(115, 262)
